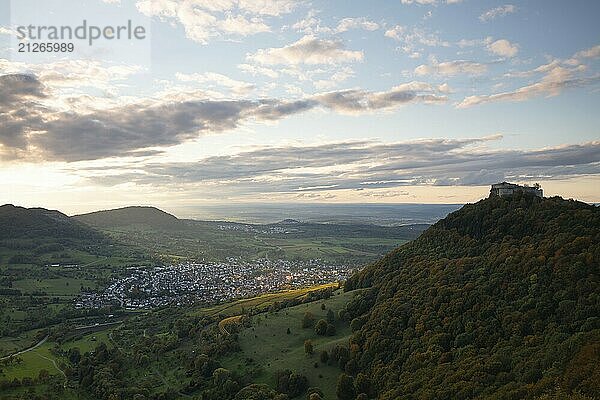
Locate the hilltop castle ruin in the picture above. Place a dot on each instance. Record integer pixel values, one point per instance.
(508, 189)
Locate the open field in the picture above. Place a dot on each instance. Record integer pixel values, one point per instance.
(33, 362)
(54, 287)
(292, 240)
(88, 341)
(42, 358)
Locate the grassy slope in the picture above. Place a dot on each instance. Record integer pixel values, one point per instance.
(271, 348)
(261, 302)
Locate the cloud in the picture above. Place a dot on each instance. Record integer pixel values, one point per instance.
(7, 31)
(269, 7)
(311, 25)
(354, 101)
(556, 79)
(17, 87)
(395, 32)
(356, 23)
(451, 68)
(73, 73)
(592, 52)
(383, 194)
(336, 78)
(497, 12)
(241, 26)
(204, 19)
(236, 87)
(255, 70)
(412, 41)
(430, 2)
(121, 131)
(503, 48)
(150, 124)
(18, 95)
(421, 2)
(367, 165)
(307, 50)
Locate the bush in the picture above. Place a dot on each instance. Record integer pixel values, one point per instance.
(308, 321)
(330, 331)
(345, 388)
(321, 327)
(308, 347)
(290, 383)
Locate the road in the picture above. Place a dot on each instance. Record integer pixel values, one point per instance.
(35, 346)
(78, 328)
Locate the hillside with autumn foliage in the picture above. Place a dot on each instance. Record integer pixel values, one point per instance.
(499, 300)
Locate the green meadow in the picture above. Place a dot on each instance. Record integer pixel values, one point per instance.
(267, 347)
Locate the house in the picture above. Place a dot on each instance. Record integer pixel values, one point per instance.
(507, 189)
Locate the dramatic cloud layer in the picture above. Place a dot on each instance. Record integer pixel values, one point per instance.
(252, 77)
(150, 124)
(369, 165)
(118, 131)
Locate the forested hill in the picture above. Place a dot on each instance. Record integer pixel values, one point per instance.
(132, 216)
(37, 236)
(499, 300)
(31, 223)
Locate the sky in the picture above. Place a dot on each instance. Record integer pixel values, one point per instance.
(250, 101)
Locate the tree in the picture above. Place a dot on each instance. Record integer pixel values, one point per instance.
(43, 375)
(308, 347)
(362, 383)
(330, 316)
(324, 356)
(290, 383)
(321, 327)
(74, 355)
(345, 388)
(331, 331)
(220, 376)
(314, 393)
(308, 321)
(256, 392)
(351, 367)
